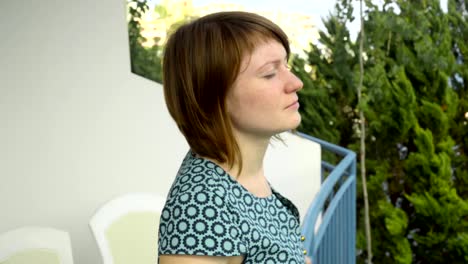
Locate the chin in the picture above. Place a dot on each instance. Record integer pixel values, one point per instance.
(296, 122)
(284, 125)
(291, 126)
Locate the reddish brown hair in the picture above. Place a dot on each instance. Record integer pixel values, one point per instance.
(201, 61)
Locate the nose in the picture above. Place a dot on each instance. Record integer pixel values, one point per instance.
(294, 83)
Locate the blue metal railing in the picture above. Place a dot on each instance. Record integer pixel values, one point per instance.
(330, 222)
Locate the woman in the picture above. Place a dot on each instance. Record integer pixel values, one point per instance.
(228, 87)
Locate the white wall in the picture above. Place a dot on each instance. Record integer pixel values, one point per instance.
(76, 127)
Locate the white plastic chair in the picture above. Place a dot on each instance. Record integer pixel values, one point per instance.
(38, 245)
(126, 228)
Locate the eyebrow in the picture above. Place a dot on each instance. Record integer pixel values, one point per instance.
(274, 62)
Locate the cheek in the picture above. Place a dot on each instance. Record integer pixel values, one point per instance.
(255, 98)
(248, 107)
(259, 103)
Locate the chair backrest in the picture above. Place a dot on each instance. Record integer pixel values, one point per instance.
(126, 228)
(38, 245)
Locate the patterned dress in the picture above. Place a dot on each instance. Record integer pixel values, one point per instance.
(209, 213)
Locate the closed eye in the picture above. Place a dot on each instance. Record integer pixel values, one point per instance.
(269, 76)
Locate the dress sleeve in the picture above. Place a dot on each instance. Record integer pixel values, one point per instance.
(196, 220)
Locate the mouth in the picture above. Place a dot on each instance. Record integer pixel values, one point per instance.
(295, 105)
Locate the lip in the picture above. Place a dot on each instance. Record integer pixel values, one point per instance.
(295, 105)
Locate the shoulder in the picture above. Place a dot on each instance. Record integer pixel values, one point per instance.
(196, 219)
(197, 180)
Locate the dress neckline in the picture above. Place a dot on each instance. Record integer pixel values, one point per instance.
(269, 197)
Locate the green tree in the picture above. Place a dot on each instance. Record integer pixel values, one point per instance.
(417, 215)
(328, 74)
(459, 27)
(145, 62)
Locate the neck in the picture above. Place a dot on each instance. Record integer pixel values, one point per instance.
(253, 151)
(252, 175)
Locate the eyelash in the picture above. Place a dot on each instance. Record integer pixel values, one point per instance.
(272, 75)
(269, 76)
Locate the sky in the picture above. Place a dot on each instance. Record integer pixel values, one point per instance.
(314, 7)
(319, 9)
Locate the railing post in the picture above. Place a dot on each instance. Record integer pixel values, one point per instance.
(334, 241)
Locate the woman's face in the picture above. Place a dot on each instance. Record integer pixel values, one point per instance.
(263, 100)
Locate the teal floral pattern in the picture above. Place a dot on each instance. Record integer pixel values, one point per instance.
(209, 213)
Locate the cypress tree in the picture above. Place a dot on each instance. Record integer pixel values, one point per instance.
(417, 214)
(458, 17)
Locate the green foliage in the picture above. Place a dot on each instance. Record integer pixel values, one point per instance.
(458, 20)
(396, 223)
(328, 98)
(145, 62)
(316, 104)
(414, 100)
